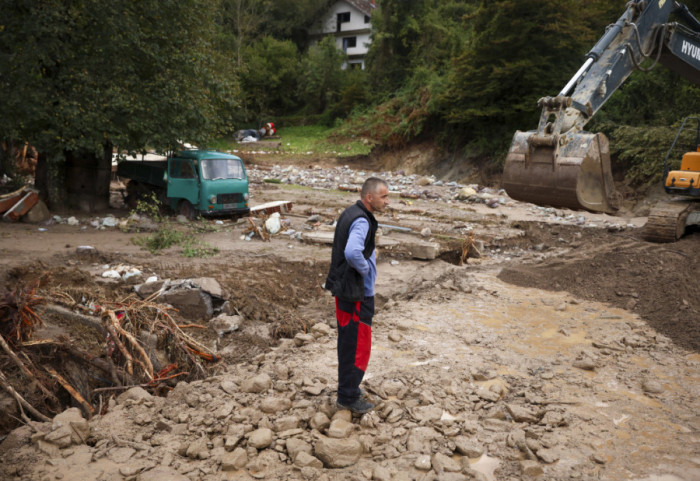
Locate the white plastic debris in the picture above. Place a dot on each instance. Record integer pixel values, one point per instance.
(272, 224)
(73, 221)
(110, 221)
(152, 279)
(111, 274)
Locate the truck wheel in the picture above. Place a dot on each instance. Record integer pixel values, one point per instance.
(186, 209)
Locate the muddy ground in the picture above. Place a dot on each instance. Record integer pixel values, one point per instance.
(568, 350)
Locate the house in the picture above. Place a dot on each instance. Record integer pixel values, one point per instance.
(349, 22)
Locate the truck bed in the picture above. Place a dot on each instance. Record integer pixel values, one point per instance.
(150, 172)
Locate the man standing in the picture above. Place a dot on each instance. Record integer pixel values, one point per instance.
(351, 279)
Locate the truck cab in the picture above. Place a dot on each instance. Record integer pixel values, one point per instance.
(207, 182)
(190, 182)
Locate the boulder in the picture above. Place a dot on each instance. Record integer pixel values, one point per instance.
(338, 453)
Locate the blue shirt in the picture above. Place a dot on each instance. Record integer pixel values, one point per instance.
(353, 254)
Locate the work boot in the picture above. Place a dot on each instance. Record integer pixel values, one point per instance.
(360, 406)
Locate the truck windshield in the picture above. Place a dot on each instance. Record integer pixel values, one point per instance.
(213, 169)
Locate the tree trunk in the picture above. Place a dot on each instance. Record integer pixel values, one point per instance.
(88, 178)
(50, 180)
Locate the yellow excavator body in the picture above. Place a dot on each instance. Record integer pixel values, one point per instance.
(688, 176)
(568, 170)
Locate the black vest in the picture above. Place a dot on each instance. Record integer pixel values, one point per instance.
(344, 281)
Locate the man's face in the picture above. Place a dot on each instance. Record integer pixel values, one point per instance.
(379, 199)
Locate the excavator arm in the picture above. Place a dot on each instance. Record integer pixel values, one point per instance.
(561, 165)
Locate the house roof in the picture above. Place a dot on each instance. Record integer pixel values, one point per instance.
(365, 6)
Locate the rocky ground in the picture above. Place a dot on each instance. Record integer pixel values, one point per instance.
(568, 349)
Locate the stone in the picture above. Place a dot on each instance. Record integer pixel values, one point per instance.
(339, 428)
(652, 387)
(260, 438)
(304, 459)
(395, 336)
(585, 364)
(295, 446)
(443, 463)
(531, 468)
(229, 386)
(191, 303)
(235, 460)
(147, 289)
(548, 455)
(466, 193)
(467, 447)
(224, 324)
(426, 232)
(38, 213)
(257, 384)
(319, 421)
(159, 473)
(338, 453)
(209, 285)
(136, 394)
(423, 463)
(198, 449)
(488, 395)
(428, 414)
(287, 423)
(424, 250)
(273, 405)
(380, 473)
(320, 329)
(420, 440)
(302, 339)
(71, 421)
(521, 414)
(72, 221)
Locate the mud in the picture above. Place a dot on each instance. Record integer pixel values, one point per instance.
(564, 352)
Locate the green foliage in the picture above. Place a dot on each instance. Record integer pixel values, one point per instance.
(642, 149)
(79, 74)
(193, 248)
(165, 237)
(269, 78)
(522, 51)
(168, 235)
(149, 206)
(322, 76)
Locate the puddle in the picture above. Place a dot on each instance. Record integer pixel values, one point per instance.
(486, 466)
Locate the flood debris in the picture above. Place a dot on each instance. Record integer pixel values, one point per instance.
(133, 342)
(16, 204)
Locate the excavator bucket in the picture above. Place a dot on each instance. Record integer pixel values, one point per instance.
(571, 170)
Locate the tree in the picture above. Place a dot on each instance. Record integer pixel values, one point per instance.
(523, 50)
(81, 77)
(322, 75)
(269, 78)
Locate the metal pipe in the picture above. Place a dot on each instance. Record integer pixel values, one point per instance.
(581, 72)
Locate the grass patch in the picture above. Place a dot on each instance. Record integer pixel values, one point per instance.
(168, 235)
(315, 139)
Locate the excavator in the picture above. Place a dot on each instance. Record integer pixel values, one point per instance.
(561, 165)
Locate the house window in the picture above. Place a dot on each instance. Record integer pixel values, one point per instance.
(343, 17)
(349, 42)
(366, 18)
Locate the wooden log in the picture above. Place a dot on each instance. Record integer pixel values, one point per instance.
(145, 362)
(88, 321)
(71, 390)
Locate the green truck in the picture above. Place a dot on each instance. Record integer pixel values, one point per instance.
(191, 182)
